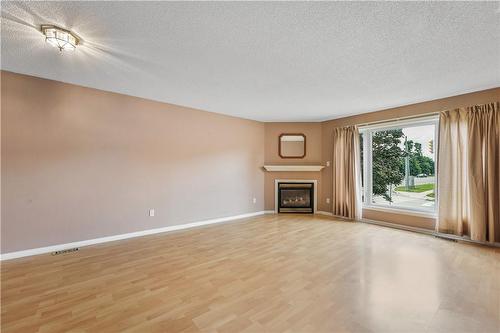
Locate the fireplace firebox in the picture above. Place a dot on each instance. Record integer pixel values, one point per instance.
(296, 197)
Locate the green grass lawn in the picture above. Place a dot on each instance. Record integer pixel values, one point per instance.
(417, 188)
(431, 195)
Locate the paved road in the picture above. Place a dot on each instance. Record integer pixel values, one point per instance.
(411, 199)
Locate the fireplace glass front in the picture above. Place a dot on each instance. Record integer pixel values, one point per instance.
(295, 197)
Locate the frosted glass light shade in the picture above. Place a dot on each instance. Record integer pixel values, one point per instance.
(60, 38)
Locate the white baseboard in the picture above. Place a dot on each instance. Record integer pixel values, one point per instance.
(399, 226)
(322, 212)
(428, 232)
(337, 217)
(59, 247)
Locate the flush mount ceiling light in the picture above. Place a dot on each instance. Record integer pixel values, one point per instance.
(60, 38)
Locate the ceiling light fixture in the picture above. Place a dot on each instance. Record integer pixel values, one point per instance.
(61, 38)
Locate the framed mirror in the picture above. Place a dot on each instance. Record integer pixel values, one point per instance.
(292, 145)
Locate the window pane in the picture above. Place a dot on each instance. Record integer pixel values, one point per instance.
(403, 167)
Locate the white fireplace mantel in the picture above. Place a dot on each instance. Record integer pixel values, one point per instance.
(293, 167)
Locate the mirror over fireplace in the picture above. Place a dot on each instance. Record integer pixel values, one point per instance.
(292, 145)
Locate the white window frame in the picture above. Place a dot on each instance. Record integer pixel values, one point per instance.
(367, 132)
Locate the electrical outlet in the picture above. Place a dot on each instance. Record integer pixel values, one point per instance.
(254, 200)
(151, 212)
(327, 163)
(327, 200)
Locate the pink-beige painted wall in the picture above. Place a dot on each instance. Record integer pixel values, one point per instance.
(79, 163)
(464, 100)
(312, 131)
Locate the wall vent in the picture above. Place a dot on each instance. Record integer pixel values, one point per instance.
(55, 253)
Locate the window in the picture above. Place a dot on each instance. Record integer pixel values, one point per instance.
(399, 165)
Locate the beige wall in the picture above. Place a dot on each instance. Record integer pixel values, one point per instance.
(80, 163)
(324, 143)
(480, 97)
(312, 131)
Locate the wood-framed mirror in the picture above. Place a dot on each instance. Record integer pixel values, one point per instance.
(292, 145)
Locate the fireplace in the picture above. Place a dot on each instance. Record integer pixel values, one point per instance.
(295, 197)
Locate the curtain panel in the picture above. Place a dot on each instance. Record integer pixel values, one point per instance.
(469, 172)
(346, 197)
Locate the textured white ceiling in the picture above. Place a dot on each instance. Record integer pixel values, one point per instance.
(269, 61)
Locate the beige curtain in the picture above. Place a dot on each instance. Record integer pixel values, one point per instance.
(469, 172)
(346, 196)
(453, 210)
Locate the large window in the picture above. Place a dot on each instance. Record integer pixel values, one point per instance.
(399, 165)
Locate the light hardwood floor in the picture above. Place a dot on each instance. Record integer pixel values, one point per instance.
(287, 273)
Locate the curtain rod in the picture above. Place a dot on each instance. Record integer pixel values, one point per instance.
(407, 117)
(399, 118)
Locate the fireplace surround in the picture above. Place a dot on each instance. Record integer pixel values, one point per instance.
(295, 196)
